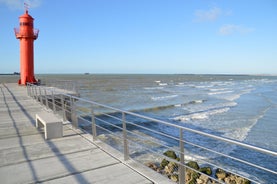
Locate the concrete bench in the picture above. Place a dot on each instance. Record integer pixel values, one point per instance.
(53, 126)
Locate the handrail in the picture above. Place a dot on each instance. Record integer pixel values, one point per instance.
(228, 140)
(43, 93)
(69, 85)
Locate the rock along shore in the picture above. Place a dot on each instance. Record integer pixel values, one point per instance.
(194, 174)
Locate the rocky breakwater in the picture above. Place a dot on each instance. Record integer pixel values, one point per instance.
(194, 174)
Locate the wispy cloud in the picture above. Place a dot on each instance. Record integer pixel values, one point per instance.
(229, 29)
(19, 4)
(207, 15)
(211, 14)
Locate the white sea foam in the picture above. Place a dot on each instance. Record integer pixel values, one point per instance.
(218, 89)
(220, 92)
(163, 84)
(191, 102)
(180, 84)
(194, 157)
(198, 101)
(201, 115)
(197, 107)
(240, 133)
(155, 98)
(191, 85)
(232, 97)
(204, 86)
(153, 88)
(225, 83)
(229, 95)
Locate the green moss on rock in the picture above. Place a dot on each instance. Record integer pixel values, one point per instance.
(164, 163)
(206, 170)
(170, 154)
(193, 165)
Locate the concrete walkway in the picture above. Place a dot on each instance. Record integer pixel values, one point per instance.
(26, 157)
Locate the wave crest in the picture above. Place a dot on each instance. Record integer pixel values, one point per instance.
(201, 115)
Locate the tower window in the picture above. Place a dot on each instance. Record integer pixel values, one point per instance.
(26, 24)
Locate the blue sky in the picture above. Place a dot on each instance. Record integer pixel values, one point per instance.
(145, 36)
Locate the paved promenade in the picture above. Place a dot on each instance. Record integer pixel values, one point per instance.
(26, 157)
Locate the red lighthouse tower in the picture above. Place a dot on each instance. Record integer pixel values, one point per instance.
(26, 34)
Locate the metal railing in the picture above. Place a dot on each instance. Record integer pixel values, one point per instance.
(68, 85)
(32, 34)
(145, 139)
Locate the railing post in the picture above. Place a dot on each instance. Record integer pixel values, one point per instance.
(93, 125)
(74, 117)
(46, 98)
(40, 96)
(36, 93)
(32, 91)
(53, 101)
(125, 141)
(182, 178)
(28, 89)
(63, 107)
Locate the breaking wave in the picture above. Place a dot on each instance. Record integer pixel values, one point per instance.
(201, 115)
(156, 108)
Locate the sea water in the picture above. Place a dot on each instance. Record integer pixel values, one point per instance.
(240, 107)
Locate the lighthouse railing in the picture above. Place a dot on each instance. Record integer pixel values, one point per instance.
(34, 34)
